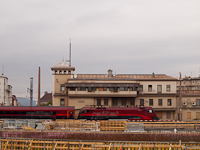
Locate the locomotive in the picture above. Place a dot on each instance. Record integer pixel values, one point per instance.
(68, 112)
(130, 113)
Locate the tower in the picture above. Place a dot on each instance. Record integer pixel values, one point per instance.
(61, 73)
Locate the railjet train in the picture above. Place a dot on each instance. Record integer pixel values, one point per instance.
(68, 112)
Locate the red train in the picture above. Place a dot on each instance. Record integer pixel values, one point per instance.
(37, 112)
(131, 113)
(68, 112)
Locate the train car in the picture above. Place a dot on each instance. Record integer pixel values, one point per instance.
(130, 113)
(37, 112)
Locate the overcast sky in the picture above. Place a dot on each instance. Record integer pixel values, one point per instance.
(127, 36)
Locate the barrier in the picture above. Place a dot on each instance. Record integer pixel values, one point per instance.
(32, 144)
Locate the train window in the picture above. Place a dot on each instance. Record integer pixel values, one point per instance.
(85, 111)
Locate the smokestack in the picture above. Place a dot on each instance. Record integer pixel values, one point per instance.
(38, 104)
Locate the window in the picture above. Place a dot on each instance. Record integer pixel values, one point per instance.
(62, 102)
(72, 89)
(159, 88)
(123, 102)
(115, 89)
(188, 82)
(105, 89)
(140, 88)
(183, 82)
(168, 88)
(141, 102)
(56, 72)
(123, 88)
(60, 72)
(111, 89)
(132, 88)
(198, 82)
(193, 88)
(159, 102)
(65, 72)
(150, 102)
(100, 89)
(149, 88)
(132, 102)
(169, 102)
(62, 87)
(197, 101)
(69, 72)
(114, 102)
(106, 102)
(81, 88)
(91, 89)
(193, 81)
(98, 102)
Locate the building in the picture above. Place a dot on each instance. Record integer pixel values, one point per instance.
(5, 92)
(46, 98)
(189, 98)
(124, 90)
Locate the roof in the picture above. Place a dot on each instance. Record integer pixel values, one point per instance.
(46, 98)
(127, 76)
(62, 65)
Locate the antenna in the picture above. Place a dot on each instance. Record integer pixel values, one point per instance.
(2, 70)
(70, 53)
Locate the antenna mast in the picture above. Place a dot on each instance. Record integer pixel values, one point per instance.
(70, 53)
(2, 70)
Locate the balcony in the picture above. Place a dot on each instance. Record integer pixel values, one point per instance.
(102, 94)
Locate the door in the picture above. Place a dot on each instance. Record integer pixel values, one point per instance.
(198, 115)
(188, 115)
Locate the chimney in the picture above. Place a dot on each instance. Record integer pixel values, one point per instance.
(110, 73)
(38, 104)
(153, 75)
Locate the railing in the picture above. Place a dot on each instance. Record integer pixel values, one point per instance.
(33, 144)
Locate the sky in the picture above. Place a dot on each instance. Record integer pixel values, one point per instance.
(127, 36)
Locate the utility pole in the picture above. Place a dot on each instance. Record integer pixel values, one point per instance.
(38, 104)
(31, 91)
(180, 101)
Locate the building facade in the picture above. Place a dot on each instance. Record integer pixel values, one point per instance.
(5, 92)
(189, 98)
(124, 90)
